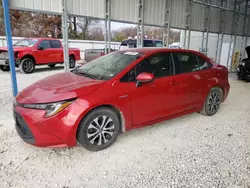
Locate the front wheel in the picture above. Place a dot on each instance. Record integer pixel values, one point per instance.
(99, 129)
(4, 68)
(27, 66)
(212, 103)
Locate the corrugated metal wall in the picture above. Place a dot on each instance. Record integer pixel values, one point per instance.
(49, 6)
(85, 8)
(127, 11)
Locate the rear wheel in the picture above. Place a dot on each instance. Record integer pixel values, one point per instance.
(212, 103)
(27, 66)
(99, 129)
(52, 65)
(4, 68)
(72, 62)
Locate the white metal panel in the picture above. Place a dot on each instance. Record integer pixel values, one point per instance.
(178, 14)
(124, 10)
(241, 23)
(229, 22)
(89, 8)
(215, 20)
(198, 16)
(127, 11)
(48, 6)
(154, 12)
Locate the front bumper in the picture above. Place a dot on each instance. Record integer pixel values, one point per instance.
(242, 72)
(5, 62)
(56, 131)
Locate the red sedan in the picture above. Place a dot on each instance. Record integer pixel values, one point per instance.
(118, 92)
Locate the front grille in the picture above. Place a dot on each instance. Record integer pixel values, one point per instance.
(22, 128)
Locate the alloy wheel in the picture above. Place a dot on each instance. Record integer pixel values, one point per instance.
(100, 130)
(213, 102)
(28, 66)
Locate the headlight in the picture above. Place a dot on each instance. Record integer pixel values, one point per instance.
(51, 108)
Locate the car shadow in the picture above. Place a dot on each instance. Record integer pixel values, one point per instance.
(44, 69)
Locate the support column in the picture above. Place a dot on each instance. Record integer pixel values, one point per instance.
(166, 26)
(107, 23)
(187, 33)
(207, 19)
(222, 25)
(248, 28)
(245, 32)
(10, 46)
(235, 28)
(140, 25)
(65, 36)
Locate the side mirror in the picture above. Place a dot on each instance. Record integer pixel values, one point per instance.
(144, 78)
(40, 48)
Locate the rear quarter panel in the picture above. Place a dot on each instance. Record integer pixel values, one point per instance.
(217, 76)
(75, 52)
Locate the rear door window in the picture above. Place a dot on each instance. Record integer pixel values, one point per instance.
(55, 44)
(148, 43)
(158, 43)
(188, 62)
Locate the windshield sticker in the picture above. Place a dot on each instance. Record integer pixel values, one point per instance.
(131, 53)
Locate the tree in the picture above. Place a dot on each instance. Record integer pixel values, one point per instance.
(149, 32)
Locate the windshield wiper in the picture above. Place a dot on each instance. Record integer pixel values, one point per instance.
(86, 74)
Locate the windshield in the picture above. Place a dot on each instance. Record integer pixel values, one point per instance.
(108, 66)
(26, 42)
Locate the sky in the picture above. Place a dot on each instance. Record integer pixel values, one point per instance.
(117, 25)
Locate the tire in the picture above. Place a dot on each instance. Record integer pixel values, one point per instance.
(52, 65)
(72, 62)
(27, 66)
(91, 137)
(4, 68)
(240, 78)
(248, 79)
(212, 102)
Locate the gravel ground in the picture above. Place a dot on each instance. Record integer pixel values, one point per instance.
(190, 151)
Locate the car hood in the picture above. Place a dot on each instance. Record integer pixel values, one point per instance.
(15, 48)
(58, 87)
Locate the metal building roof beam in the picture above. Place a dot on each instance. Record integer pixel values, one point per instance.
(222, 25)
(65, 36)
(140, 24)
(107, 23)
(166, 26)
(187, 33)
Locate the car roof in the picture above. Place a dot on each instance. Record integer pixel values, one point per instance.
(143, 39)
(34, 38)
(158, 49)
